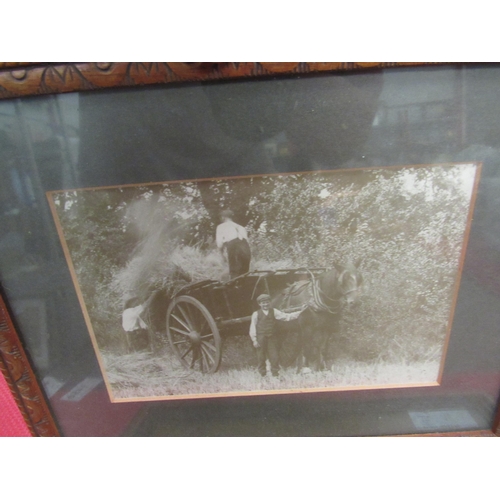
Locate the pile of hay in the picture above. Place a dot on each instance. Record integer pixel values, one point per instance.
(172, 269)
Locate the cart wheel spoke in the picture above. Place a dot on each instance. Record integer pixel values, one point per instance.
(209, 336)
(189, 349)
(185, 341)
(193, 334)
(191, 365)
(187, 318)
(186, 326)
(204, 360)
(178, 330)
(208, 344)
(206, 352)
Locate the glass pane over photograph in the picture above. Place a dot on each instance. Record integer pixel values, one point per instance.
(389, 177)
(186, 287)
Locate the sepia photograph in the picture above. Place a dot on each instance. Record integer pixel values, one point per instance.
(316, 281)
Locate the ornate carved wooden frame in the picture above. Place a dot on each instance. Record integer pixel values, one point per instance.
(26, 79)
(20, 79)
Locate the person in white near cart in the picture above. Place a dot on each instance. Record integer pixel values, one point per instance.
(234, 239)
(134, 324)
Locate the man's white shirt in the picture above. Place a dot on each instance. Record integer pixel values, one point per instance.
(228, 231)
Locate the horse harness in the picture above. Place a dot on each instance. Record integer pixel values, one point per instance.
(317, 296)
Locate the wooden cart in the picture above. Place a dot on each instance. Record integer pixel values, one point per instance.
(201, 314)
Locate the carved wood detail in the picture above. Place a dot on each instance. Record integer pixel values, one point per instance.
(17, 64)
(22, 382)
(23, 79)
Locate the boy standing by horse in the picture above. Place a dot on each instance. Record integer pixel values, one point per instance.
(263, 333)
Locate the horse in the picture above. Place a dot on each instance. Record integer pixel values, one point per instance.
(325, 296)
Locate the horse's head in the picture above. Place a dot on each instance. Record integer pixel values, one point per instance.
(349, 283)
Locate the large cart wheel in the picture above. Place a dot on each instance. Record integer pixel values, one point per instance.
(193, 334)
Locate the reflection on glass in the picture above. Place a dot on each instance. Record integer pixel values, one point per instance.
(392, 117)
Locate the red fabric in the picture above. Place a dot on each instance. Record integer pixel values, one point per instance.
(11, 421)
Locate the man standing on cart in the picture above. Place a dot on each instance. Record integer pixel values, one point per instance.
(263, 333)
(234, 239)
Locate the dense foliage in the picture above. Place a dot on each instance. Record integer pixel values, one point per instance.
(406, 225)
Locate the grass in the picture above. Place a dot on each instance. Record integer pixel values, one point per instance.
(148, 375)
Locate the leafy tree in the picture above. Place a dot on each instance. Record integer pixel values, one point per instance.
(407, 226)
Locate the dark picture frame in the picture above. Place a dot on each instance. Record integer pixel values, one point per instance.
(20, 361)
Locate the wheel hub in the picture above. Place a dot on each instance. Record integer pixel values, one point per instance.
(194, 337)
